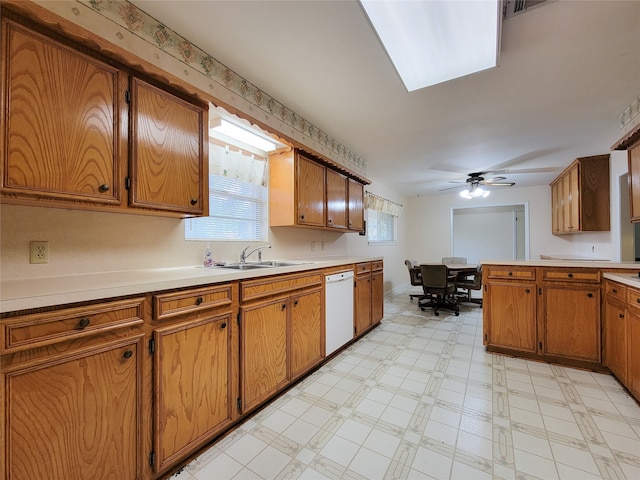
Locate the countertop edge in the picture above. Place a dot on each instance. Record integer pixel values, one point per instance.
(629, 280)
(38, 292)
(565, 263)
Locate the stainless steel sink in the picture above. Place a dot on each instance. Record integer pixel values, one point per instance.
(264, 264)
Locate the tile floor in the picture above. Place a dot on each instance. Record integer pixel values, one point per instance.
(419, 398)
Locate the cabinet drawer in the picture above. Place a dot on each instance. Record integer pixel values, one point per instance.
(633, 297)
(615, 290)
(376, 266)
(571, 275)
(364, 267)
(168, 305)
(264, 287)
(39, 329)
(512, 273)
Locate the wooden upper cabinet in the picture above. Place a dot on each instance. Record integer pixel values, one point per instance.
(356, 205)
(310, 188)
(634, 181)
(336, 199)
(167, 154)
(61, 120)
(580, 197)
(305, 192)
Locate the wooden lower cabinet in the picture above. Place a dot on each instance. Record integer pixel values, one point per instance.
(263, 351)
(632, 381)
(377, 296)
(571, 322)
(192, 370)
(306, 332)
(75, 414)
(362, 299)
(281, 333)
(511, 308)
(615, 330)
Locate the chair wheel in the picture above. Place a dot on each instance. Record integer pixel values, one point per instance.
(437, 314)
(457, 314)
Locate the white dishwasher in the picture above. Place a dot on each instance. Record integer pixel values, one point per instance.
(338, 310)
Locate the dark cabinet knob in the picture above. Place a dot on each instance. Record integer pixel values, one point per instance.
(128, 354)
(194, 201)
(615, 290)
(301, 217)
(84, 323)
(295, 303)
(510, 274)
(527, 291)
(590, 295)
(199, 300)
(621, 315)
(223, 325)
(104, 187)
(284, 305)
(330, 221)
(570, 275)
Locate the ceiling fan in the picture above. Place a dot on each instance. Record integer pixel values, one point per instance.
(475, 181)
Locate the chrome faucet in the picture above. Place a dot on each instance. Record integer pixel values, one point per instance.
(244, 254)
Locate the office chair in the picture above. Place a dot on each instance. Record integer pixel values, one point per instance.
(451, 260)
(468, 282)
(439, 289)
(415, 277)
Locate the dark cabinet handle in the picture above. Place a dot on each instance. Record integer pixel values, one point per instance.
(527, 291)
(330, 221)
(615, 290)
(510, 274)
(199, 300)
(295, 303)
(223, 325)
(284, 305)
(104, 187)
(590, 295)
(621, 315)
(84, 323)
(570, 275)
(302, 217)
(194, 201)
(638, 300)
(128, 354)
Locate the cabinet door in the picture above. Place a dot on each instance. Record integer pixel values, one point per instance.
(511, 316)
(356, 205)
(575, 223)
(263, 351)
(633, 342)
(191, 375)
(305, 332)
(556, 207)
(615, 338)
(310, 189)
(76, 415)
(168, 159)
(377, 297)
(362, 303)
(60, 120)
(634, 181)
(336, 200)
(571, 320)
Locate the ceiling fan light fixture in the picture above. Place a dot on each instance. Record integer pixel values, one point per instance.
(474, 192)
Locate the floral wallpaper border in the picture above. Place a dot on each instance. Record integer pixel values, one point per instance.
(145, 27)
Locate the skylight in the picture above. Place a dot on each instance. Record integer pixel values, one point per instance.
(431, 42)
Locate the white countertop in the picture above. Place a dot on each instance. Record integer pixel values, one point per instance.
(629, 279)
(565, 263)
(22, 294)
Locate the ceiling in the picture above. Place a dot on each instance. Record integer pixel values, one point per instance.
(567, 70)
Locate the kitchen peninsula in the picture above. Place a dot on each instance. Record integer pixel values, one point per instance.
(574, 313)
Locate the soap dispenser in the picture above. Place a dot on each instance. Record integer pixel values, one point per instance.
(208, 257)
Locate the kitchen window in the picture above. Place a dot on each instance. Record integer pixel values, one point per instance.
(382, 219)
(237, 199)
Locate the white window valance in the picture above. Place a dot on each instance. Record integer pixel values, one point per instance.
(383, 205)
(227, 162)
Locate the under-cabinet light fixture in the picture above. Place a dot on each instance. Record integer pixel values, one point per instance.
(242, 134)
(431, 42)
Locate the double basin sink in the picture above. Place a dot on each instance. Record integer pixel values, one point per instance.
(265, 264)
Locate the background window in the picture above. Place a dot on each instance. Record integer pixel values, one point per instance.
(381, 227)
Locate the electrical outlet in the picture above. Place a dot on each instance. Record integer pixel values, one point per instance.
(313, 246)
(38, 252)
(322, 245)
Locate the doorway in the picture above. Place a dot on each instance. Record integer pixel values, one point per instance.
(499, 232)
